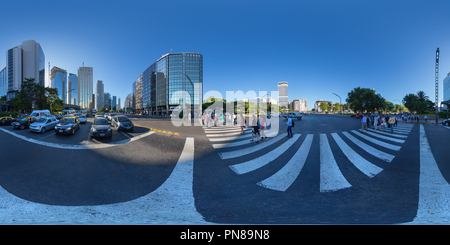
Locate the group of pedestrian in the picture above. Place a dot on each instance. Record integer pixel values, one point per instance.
(259, 126)
(373, 121)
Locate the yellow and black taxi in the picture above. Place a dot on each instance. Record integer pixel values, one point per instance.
(24, 122)
(99, 114)
(6, 121)
(67, 125)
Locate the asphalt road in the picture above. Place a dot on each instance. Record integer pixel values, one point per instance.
(326, 173)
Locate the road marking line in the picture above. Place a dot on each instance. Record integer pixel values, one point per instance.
(284, 178)
(263, 160)
(242, 152)
(171, 203)
(359, 162)
(369, 149)
(380, 143)
(331, 178)
(434, 190)
(78, 147)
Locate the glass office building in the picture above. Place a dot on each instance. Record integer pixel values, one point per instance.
(85, 88)
(59, 81)
(447, 87)
(156, 87)
(72, 88)
(3, 84)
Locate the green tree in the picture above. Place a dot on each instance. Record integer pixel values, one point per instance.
(364, 99)
(57, 104)
(418, 102)
(103, 109)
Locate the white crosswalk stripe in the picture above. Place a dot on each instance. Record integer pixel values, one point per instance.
(376, 143)
(282, 179)
(331, 178)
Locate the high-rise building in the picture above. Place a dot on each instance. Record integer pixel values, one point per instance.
(447, 87)
(155, 90)
(107, 101)
(59, 81)
(118, 104)
(3, 83)
(283, 94)
(113, 103)
(72, 88)
(24, 61)
(85, 88)
(128, 102)
(99, 95)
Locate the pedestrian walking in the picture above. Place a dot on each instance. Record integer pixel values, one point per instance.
(263, 127)
(425, 118)
(392, 122)
(242, 123)
(382, 124)
(289, 128)
(375, 123)
(255, 129)
(363, 123)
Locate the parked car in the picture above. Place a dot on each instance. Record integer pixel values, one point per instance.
(24, 122)
(82, 118)
(6, 121)
(43, 124)
(359, 116)
(67, 125)
(293, 115)
(446, 122)
(101, 128)
(122, 122)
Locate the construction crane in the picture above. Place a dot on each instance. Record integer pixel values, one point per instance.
(437, 84)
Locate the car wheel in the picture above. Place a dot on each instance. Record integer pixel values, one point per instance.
(43, 130)
(447, 124)
(22, 127)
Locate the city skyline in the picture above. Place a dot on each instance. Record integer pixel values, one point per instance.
(319, 48)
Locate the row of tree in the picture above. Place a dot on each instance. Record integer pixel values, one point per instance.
(33, 93)
(366, 100)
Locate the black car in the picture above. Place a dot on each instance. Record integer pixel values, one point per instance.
(100, 128)
(122, 122)
(24, 122)
(67, 125)
(446, 122)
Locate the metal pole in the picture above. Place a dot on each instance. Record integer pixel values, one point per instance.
(340, 103)
(437, 83)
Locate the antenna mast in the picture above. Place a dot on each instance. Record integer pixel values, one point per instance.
(437, 84)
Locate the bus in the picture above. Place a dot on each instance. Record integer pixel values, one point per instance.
(69, 111)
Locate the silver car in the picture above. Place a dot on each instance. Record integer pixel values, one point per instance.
(82, 118)
(43, 124)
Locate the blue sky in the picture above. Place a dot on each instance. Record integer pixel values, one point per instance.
(318, 47)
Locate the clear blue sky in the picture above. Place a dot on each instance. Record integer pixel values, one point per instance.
(318, 47)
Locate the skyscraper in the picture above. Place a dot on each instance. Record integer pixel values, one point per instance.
(283, 94)
(447, 87)
(59, 81)
(72, 88)
(85, 88)
(3, 84)
(24, 61)
(155, 90)
(99, 95)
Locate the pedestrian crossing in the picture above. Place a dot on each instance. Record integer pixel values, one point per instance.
(359, 148)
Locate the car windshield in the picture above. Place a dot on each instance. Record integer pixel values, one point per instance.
(82, 116)
(123, 119)
(42, 120)
(100, 122)
(66, 120)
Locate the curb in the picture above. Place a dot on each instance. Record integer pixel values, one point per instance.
(157, 130)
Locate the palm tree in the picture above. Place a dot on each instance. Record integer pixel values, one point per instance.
(421, 96)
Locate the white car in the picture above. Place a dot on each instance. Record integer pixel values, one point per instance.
(43, 124)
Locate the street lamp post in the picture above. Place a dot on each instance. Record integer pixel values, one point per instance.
(340, 104)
